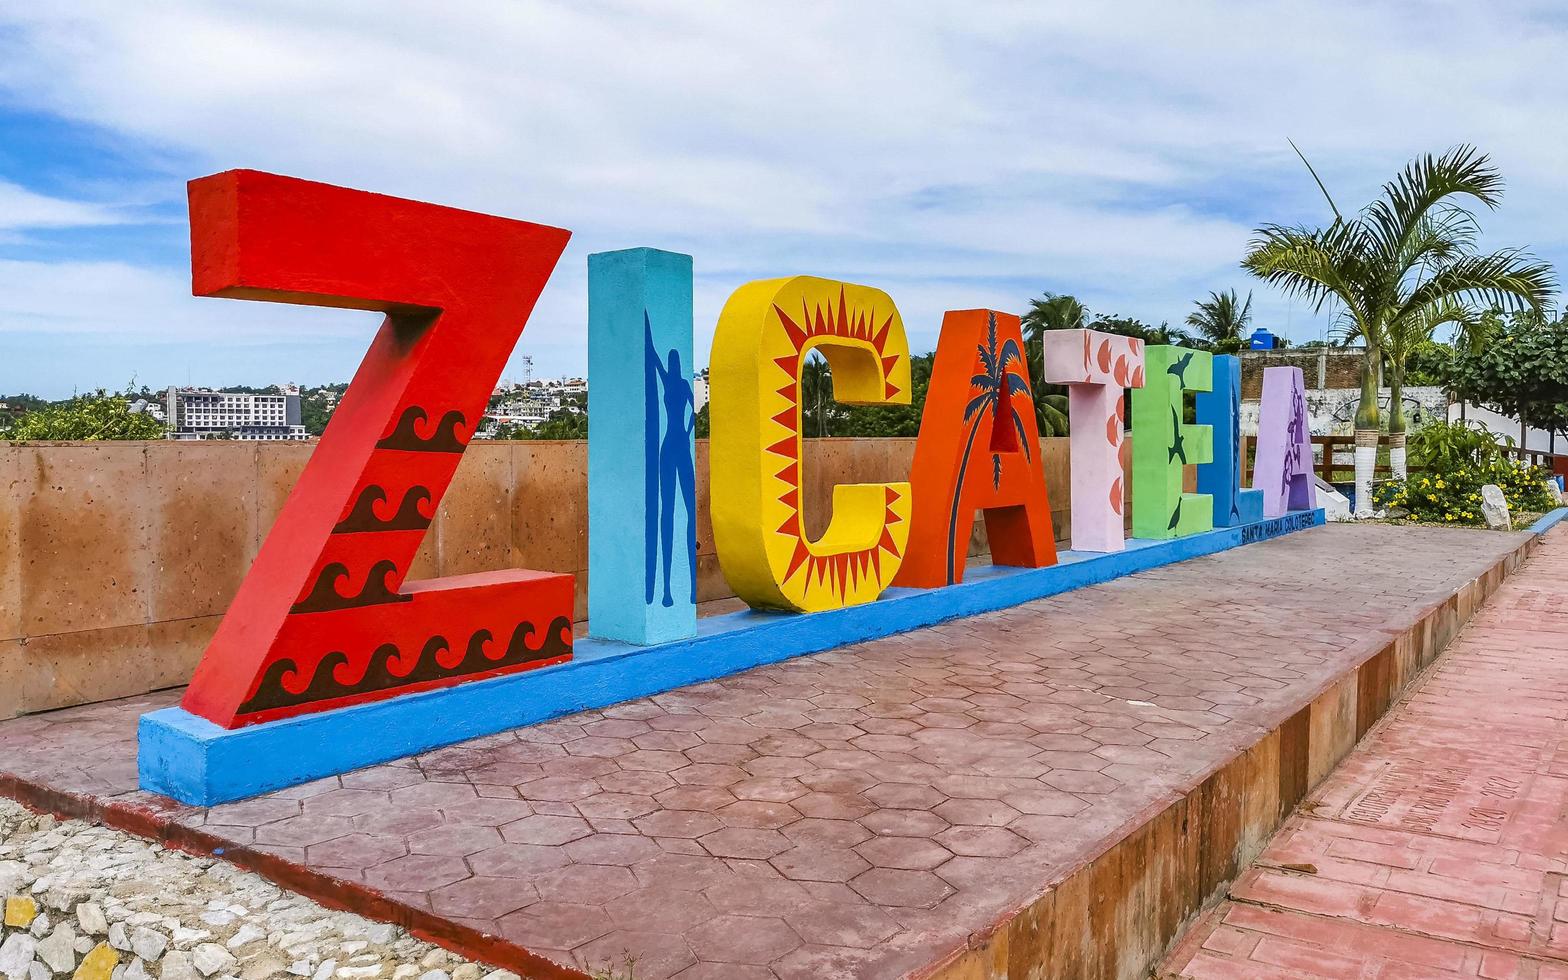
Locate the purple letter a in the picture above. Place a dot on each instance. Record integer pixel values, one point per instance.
(1283, 467)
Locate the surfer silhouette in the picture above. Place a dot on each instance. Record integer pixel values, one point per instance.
(669, 443)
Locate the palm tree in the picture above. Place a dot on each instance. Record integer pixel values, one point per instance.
(816, 395)
(1403, 255)
(1404, 336)
(1050, 413)
(1221, 318)
(993, 391)
(1052, 311)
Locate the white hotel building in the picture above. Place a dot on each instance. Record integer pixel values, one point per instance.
(196, 413)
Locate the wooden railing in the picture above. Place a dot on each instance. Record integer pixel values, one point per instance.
(1553, 462)
(1335, 462)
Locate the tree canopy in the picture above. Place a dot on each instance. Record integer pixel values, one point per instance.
(1518, 366)
(99, 416)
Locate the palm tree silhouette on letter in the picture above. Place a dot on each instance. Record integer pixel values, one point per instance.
(995, 386)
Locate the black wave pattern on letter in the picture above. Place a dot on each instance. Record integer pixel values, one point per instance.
(325, 597)
(363, 516)
(443, 439)
(381, 673)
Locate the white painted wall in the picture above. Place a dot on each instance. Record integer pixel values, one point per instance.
(1505, 425)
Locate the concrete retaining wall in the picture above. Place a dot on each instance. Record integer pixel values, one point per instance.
(1116, 915)
(117, 560)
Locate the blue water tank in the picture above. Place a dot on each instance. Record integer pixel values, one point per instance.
(1262, 340)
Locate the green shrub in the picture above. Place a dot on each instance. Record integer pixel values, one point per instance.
(1452, 494)
(1443, 445)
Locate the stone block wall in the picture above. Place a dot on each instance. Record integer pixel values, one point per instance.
(1322, 368)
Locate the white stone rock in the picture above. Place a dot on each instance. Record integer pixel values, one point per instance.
(218, 917)
(39, 972)
(405, 972)
(83, 945)
(209, 958)
(381, 933)
(366, 972)
(246, 935)
(16, 955)
(502, 975)
(58, 951)
(466, 971)
(436, 975)
(137, 971)
(40, 926)
(354, 946)
(435, 959)
(186, 938)
(325, 970)
(148, 944)
(301, 968)
(118, 938)
(89, 915)
(177, 965)
(1494, 508)
(13, 875)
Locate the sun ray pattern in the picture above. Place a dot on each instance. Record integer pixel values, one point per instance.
(764, 334)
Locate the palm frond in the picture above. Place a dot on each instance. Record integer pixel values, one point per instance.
(1332, 206)
(1405, 334)
(978, 404)
(1018, 427)
(1509, 279)
(1051, 413)
(1319, 266)
(987, 358)
(1017, 384)
(1425, 184)
(1010, 353)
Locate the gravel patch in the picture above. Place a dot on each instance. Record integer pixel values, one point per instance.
(91, 903)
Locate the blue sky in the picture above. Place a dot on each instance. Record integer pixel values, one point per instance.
(953, 155)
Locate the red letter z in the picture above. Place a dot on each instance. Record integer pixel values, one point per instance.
(324, 618)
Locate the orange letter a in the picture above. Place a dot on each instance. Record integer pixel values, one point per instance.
(979, 449)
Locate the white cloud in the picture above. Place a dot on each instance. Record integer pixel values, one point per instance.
(948, 153)
(22, 209)
(77, 300)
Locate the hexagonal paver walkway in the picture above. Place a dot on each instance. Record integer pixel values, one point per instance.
(1439, 849)
(858, 813)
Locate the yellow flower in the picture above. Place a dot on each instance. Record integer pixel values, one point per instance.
(1440, 483)
(1448, 517)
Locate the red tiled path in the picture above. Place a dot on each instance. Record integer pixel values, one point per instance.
(860, 813)
(1439, 848)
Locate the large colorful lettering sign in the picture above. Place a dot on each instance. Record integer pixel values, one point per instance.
(979, 449)
(641, 470)
(1162, 444)
(1095, 367)
(325, 618)
(763, 336)
(1219, 408)
(1282, 469)
(305, 675)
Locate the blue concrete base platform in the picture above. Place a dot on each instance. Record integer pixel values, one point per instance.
(1549, 520)
(196, 762)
